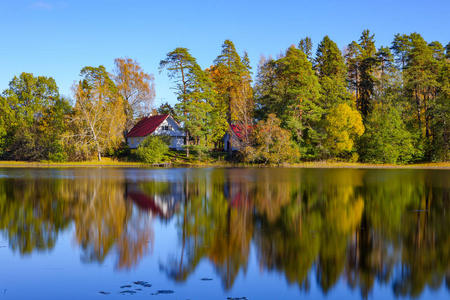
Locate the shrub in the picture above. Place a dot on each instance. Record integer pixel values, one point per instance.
(152, 149)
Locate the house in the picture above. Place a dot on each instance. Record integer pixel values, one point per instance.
(157, 125)
(238, 134)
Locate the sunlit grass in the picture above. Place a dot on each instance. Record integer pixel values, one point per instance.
(178, 158)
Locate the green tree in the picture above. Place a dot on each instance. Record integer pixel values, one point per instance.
(32, 118)
(152, 149)
(332, 72)
(306, 45)
(288, 88)
(194, 89)
(167, 109)
(386, 139)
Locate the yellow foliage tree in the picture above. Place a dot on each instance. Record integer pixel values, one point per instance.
(136, 88)
(99, 119)
(343, 126)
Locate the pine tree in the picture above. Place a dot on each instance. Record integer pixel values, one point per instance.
(233, 83)
(306, 46)
(195, 94)
(332, 72)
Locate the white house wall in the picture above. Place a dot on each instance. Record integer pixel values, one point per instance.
(175, 132)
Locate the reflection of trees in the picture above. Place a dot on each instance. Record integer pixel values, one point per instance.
(31, 215)
(338, 223)
(365, 227)
(34, 211)
(104, 221)
(213, 227)
(426, 241)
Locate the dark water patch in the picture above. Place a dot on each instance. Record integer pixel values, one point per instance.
(206, 279)
(125, 286)
(236, 298)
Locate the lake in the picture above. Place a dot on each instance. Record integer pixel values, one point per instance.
(224, 233)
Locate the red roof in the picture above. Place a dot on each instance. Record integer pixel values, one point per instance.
(239, 130)
(146, 126)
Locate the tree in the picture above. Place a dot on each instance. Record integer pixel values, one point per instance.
(343, 125)
(32, 117)
(305, 45)
(99, 117)
(233, 86)
(386, 139)
(332, 72)
(273, 144)
(167, 109)
(195, 93)
(152, 149)
(179, 64)
(420, 80)
(136, 88)
(288, 88)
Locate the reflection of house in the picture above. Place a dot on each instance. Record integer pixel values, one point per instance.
(162, 205)
(157, 125)
(238, 134)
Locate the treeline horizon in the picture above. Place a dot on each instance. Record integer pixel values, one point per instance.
(389, 104)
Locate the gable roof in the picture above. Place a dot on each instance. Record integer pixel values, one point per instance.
(146, 126)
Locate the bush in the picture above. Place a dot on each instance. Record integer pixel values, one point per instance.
(152, 149)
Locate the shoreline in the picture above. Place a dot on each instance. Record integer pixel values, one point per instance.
(311, 165)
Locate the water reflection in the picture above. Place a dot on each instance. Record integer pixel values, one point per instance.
(361, 227)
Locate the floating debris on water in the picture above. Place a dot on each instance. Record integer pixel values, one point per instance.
(206, 279)
(163, 292)
(237, 298)
(125, 286)
(143, 283)
(104, 293)
(128, 292)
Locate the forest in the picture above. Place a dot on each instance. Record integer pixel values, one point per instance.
(358, 104)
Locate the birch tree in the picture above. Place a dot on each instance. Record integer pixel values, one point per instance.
(99, 116)
(136, 88)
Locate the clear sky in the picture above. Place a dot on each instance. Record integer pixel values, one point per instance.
(58, 38)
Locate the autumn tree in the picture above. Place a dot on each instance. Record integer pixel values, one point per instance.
(136, 88)
(99, 117)
(233, 86)
(273, 144)
(344, 126)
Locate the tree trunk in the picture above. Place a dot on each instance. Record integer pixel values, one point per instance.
(187, 143)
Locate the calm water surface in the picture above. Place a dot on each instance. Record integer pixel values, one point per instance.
(224, 233)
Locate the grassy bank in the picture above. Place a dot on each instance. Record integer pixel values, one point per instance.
(175, 160)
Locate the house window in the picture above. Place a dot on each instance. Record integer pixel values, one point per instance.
(166, 127)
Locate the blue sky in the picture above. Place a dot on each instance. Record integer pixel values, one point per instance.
(58, 38)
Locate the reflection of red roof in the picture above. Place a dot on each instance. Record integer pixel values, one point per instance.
(239, 130)
(146, 203)
(146, 125)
